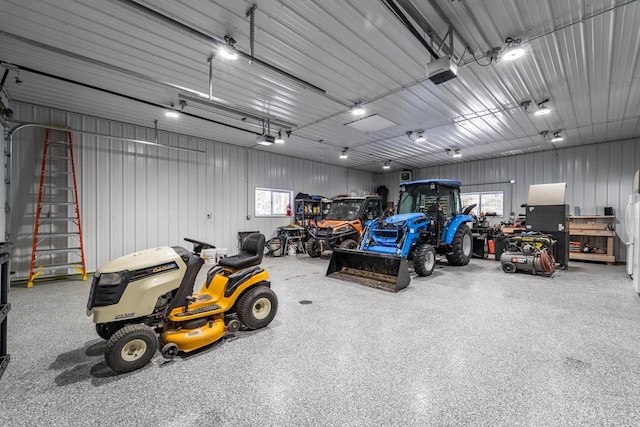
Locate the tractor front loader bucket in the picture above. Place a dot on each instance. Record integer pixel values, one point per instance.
(382, 271)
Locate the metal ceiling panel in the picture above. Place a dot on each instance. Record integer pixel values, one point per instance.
(313, 60)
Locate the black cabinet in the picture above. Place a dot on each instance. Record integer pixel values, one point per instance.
(4, 304)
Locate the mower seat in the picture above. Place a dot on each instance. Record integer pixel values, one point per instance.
(250, 254)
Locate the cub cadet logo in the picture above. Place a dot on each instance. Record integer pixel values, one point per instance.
(162, 268)
(124, 316)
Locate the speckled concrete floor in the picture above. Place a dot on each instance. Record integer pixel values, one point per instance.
(467, 345)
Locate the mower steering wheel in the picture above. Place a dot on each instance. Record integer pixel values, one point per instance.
(199, 246)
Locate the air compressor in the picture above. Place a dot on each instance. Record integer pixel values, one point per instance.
(530, 259)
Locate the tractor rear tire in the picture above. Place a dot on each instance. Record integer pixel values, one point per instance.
(424, 260)
(313, 248)
(257, 307)
(131, 348)
(462, 246)
(349, 244)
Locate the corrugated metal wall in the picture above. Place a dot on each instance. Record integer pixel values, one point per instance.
(135, 196)
(597, 175)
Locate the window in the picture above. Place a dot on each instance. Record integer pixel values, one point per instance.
(489, 203)
(272, 202)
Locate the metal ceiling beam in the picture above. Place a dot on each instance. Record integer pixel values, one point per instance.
(242, 113)
(218, 43)
(435, 6)
(425, 26)
(129, 97)
(398, 13)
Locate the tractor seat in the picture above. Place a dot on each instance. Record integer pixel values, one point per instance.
(250, 254)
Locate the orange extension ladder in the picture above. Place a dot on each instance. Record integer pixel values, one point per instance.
(58, 248)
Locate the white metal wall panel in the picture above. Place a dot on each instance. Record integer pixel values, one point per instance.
(134, 196)
(597, 175)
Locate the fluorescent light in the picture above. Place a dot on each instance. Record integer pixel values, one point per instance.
(171, 114)
(228, 52)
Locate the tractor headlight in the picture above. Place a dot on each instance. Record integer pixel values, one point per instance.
(111, 279)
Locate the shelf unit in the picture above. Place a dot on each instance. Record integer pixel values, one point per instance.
(307, 210)
(4, 304)
(593, 228)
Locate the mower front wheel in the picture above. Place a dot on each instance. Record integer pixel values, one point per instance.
(131, 348)
(313, 248)
(106, 330)
(257, 307)
(424, 260)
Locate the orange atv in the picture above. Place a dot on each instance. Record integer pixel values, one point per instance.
(343, 224)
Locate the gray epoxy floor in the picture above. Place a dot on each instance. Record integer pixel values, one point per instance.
(468, 345)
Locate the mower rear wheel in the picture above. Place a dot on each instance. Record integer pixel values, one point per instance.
(462, 245)
(131, 348)
(424, 260)
(349, 244)
(313, 248)
(257, 307)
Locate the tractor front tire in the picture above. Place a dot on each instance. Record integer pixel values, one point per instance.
(131, 348)
(462, 246)
(424, 260)
(349, 244)
(313, 248)
(257, 307)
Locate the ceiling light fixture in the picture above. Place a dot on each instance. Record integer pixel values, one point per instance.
(512, 50)
(386, 165)
(557, 137)
(228, 51)
(543, 108)
(457, 154)
(172, 112)
(343, 155)
(358, 109)
(279, 138)
(420, 137)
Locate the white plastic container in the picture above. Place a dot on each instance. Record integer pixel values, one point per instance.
(209, 256)
(220, 253)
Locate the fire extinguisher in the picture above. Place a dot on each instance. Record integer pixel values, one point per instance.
(289, 210)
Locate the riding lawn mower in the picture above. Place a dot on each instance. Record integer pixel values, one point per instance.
(146, 299)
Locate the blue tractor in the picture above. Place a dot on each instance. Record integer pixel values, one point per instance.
(429, 221)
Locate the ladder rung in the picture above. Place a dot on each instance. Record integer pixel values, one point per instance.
(59, 266)
(54, 187)
(56, 251)
(47, 172)
(58, 203)
(58, 234)
(60, 218)
(50, 157)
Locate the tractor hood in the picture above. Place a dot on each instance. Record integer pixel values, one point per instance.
(396, 219)
(140, 260)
